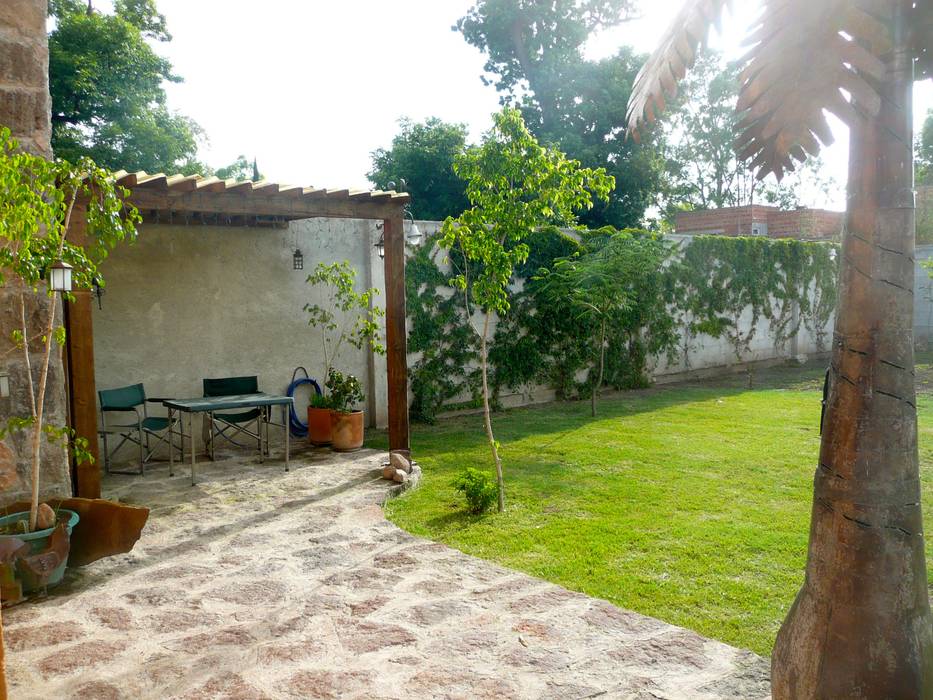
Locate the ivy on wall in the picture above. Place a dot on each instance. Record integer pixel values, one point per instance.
(713, 285)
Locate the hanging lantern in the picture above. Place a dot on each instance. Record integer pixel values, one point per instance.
(381, 246)
(298, 260)
(60, 276)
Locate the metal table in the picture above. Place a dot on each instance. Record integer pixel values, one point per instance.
(212, 404)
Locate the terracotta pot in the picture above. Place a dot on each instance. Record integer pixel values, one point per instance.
(319, 432)
(346, 430)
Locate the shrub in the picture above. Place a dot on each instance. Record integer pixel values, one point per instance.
(478, 488)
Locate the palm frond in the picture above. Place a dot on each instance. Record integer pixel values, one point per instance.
(674, 56)
(808, 56)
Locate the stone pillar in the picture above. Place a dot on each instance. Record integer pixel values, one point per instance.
(25, 110)
(24, 74)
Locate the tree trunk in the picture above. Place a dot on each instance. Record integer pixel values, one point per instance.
(861, 626)
(487, 414)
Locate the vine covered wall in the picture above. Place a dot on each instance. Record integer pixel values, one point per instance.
(733, 291)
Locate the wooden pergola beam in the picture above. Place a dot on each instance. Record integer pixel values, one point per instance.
(396, 333)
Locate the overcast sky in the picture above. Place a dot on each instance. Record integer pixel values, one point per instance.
(311, 87)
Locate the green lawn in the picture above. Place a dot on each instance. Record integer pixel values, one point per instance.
(690, 504)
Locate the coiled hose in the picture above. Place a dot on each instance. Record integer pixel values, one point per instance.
(298, 427)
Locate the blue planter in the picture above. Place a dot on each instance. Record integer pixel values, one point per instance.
(39, 540)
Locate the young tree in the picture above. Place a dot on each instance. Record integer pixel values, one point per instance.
(514, 186)
(861, 624)
(925, 151)
(38, 199)
(536, 60)
(106, 83)
(603, 286)
(423, 156)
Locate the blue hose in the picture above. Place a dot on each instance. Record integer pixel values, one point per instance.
(298, 427)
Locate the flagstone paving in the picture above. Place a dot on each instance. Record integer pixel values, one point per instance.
(258, 583)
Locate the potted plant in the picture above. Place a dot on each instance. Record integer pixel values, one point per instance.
(345, 419)
(346, 317)
(38, 199)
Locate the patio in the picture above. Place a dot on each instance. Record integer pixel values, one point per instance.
(261, 583)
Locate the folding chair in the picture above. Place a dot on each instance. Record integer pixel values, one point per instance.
(128, 399)
(230, 425)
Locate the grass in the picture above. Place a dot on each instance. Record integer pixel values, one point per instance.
(690, 503)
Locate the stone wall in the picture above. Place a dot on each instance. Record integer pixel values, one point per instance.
(24, 108)
(768, 221)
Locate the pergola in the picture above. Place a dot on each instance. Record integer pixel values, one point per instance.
(196, 200)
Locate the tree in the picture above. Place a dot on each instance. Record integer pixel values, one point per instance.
(106, 83)
(861, 624)
(38, 199)
(604, 286)
(704, 168)
(240, 169)
(422, 154)
(514, 186)
(535, 54)
(925, 152)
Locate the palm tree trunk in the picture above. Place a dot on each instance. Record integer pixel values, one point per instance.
(487, 413)
(602, 368)
(861, 624)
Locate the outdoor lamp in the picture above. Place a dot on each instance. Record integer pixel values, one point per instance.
(60, 276)
(298, 260)
(414, 234)
(381, 245)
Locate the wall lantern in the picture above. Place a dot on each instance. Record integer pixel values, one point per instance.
(4, 386)
(298, 260)
(60, 276)
(412, 238)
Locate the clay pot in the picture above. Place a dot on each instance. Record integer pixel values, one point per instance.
(346, 431)
(319, 432)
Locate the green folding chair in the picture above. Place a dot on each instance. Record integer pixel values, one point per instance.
(230, 425)
(129, 399)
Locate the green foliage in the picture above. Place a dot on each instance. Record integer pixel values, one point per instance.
(106, 83)
(38, 200)
(320, 401)
(478, 488)
(703, 168)
(422, 154)
(240, 169)
(535, 54)
(717, 279)
(346, 316)
(344, 391)
(925, 153)
(514, 186)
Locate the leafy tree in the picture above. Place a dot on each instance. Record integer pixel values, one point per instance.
(38, 200)
(606, 286)
(535, 55)
(240, 169)
(852, 630)
(514, 186)
(422, 154)
(704, 169)
(925, 152)
(106, 83)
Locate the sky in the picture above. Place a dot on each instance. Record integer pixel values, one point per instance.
(311, 87)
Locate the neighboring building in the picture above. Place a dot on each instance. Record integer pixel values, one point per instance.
(759, 220)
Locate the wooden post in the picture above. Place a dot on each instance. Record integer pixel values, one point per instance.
(81, 386)
(396, 334)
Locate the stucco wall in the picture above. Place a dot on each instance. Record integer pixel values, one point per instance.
(24, 109)
(188, 302)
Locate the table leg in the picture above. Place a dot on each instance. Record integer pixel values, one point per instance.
(171, 445)
(191, 440)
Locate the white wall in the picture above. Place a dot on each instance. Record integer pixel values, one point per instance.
(188, 302)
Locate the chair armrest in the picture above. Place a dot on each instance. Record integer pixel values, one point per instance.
(161, 399)
(119, 410)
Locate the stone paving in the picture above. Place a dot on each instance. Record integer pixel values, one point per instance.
(258, 583)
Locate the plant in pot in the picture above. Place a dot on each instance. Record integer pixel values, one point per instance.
(345, 419)
(39, 200)
(344, 317)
